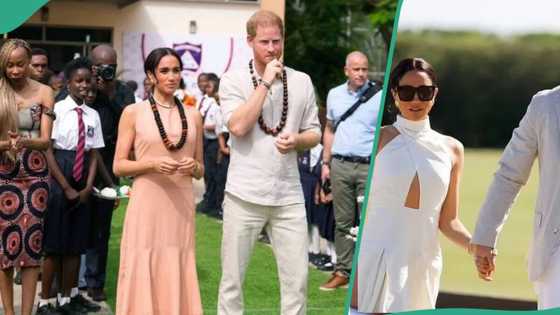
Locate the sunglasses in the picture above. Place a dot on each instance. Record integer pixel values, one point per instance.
(424, 92)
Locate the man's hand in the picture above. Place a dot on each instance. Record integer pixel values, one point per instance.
(286, 142)
(325, 172)
(485, 261)
(325, 198)
(272, 71)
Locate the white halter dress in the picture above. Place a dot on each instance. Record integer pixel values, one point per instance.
(400, 258)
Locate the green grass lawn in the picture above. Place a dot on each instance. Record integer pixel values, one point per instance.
(510, 279)
(261, 289)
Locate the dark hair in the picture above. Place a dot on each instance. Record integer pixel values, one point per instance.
(39, 52)
(201, 75)
(78, 63)
(155, 56)
(132, 85)
(212, 77)
(410, 64)
(399, 71)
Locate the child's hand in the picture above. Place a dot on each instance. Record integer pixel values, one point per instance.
(84, 194)
(71, 193)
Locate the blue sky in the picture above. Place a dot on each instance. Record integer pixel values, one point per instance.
(496, 16)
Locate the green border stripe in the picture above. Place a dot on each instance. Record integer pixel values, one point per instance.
(14, 12)
(374, 152)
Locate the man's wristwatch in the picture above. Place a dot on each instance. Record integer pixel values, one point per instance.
(327, 163)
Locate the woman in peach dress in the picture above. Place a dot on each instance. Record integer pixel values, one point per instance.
(157, 266)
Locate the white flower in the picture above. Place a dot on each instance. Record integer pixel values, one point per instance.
(109, 193)
(124, 190)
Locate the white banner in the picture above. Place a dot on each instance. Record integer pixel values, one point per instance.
(199, 53)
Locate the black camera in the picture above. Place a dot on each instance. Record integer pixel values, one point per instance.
(326, 186)
(106, 72)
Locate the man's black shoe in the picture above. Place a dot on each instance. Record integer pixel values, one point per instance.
(88, 305)
(97, 294)
(201, 207)
(72, 309)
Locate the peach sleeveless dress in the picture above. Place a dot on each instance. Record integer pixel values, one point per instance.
(157, 266)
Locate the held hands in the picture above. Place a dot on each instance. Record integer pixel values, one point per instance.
(484, 259)
(286, 142)
(272, 71)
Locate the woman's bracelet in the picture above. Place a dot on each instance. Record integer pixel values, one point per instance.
(196, 170)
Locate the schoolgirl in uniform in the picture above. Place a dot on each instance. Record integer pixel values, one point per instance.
(72, 161)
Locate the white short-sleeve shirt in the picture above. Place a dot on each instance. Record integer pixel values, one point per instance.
(210, 110)
(258, 173)
(65, 126)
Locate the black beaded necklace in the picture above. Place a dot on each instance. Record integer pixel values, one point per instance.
(184, 126)
(276, 130)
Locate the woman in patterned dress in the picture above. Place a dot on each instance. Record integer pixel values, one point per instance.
(25, 127)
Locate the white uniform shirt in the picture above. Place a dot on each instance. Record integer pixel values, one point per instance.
(210, 110)
(65, 126)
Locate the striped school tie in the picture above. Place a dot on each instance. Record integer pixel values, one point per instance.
(80, 148)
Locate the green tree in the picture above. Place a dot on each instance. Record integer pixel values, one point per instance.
(320, 33)
(485, 81)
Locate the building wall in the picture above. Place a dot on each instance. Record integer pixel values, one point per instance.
(153, 16)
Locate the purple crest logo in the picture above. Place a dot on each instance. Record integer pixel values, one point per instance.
(191, 55)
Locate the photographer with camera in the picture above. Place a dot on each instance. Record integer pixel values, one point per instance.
(352, 110)
(112, 96)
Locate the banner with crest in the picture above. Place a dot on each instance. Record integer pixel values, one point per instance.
(199, 53)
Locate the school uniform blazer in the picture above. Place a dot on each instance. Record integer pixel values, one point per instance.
(538, 136)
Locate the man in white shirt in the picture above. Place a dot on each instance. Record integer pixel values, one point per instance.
(270, 111)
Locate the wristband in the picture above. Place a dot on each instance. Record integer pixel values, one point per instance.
(266, 84)
(327, 163)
